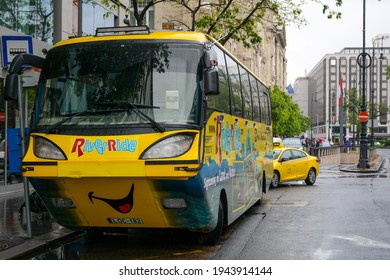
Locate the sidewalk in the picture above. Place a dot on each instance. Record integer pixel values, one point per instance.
(14, 241)
(374, 163)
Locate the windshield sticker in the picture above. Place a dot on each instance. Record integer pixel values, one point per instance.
(82, 145)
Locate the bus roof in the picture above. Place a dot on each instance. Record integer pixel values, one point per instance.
(160, 35)
(193, 36)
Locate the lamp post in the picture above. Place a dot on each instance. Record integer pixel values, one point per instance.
(363, 157)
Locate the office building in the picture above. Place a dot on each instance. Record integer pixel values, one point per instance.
(339, 75)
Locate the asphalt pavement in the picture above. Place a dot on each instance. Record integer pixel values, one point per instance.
(14, 237)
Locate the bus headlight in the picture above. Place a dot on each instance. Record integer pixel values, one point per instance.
(44, 148)
(170, 147)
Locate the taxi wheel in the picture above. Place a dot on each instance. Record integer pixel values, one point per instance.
(311, 177)
(275, 179)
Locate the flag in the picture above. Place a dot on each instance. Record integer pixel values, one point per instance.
(340, 92)
(290, 89)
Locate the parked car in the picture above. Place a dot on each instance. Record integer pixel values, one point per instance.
(291, 164)
(278, 143)
(293, 143)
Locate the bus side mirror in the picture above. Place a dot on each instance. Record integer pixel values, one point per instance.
(11, 87)
(211, 82)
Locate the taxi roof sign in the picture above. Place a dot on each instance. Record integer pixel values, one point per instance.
(14, 45)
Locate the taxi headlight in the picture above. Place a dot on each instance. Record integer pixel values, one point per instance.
(44, 148)
(169, 147)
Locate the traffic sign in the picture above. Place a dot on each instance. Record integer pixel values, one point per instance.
(363, 117)
(14, 45)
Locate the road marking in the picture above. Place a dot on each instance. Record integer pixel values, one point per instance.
(324, 254)
(288, 203)
(364, 242)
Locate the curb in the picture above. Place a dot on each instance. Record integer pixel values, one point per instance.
(375, 167)
(36, 243)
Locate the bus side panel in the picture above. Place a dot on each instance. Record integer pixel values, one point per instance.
(237, 154)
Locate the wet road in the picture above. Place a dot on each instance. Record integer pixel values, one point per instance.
(343, 216)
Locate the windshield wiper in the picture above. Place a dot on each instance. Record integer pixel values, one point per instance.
(68, 117)
(159, 127)
(135, 108)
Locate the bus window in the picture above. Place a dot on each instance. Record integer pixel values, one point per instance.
(221, 101)
(255, 98)
(235, 86)
(263, 103)
(246, 92)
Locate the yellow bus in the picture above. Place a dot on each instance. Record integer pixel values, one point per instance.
(140, 129)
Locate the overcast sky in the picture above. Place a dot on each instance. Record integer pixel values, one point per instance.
(307, 45)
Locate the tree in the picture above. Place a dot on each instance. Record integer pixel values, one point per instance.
(238, 20)
(352, 105)
(30, 17)
(287, 118)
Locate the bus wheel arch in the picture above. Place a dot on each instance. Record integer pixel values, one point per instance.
(212, 237)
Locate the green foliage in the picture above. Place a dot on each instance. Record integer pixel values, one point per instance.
(385, 143)
(287, 118)
(388, 72)
(238, 20)
(352, 105)
(29, 17)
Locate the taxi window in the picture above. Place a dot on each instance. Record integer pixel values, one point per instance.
(298, 154)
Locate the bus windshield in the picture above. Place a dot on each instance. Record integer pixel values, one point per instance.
(122, 83)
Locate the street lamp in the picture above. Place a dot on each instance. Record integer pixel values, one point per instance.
(363, 157)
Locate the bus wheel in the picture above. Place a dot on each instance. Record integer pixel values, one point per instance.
(212, 237)
(93, 235)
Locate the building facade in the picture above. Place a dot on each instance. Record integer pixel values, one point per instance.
(50, 21)
(323, 92)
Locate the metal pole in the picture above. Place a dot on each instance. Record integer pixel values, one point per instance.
(363, 161)
(6, 144)
(22, 136)
(372, 94)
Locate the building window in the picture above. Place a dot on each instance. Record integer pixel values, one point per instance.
(95, 16)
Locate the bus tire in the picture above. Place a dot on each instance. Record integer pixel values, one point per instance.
(93, 235)
(212, 237)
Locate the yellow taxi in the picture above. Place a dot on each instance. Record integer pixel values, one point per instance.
(291, 164)
(278, 142)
